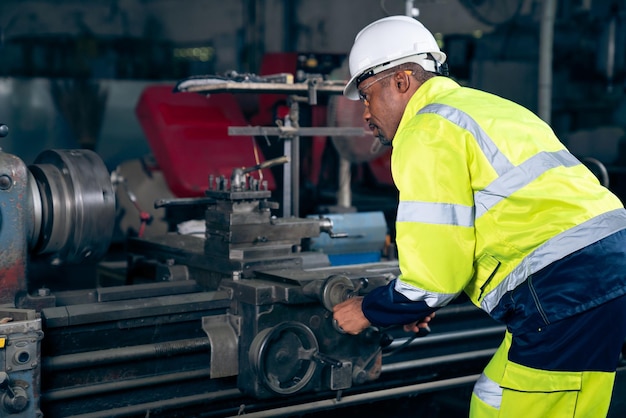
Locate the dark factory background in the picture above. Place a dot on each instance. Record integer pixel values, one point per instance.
(118, 335)
(119, 47)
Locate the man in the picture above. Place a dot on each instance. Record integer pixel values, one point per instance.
(493, 205)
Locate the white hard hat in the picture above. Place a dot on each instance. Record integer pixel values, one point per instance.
(388, 42)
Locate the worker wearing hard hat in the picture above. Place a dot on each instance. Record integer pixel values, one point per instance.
(493, 205)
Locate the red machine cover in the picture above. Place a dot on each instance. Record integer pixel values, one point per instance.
(188, 135)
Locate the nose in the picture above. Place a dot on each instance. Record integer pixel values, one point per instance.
(366, 114)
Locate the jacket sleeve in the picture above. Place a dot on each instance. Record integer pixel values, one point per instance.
(385, 307)
(435, 233)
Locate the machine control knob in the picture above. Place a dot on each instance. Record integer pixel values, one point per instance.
(335, 290)
(14, 398)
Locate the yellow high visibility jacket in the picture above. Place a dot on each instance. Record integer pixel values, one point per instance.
(488, 196)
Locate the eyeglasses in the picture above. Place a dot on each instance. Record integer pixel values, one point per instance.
(363, 96)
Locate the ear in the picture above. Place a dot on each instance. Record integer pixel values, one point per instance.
(402, 81)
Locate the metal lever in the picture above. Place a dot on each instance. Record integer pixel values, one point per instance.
(237, 177)
(326, 225)
(423, 332)
(15, 398)
(184, 201)
(266, 164)
(325, 359)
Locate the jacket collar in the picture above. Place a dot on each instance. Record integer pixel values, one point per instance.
(425, 95)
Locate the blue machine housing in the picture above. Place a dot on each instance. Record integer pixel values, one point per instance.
(366, 233)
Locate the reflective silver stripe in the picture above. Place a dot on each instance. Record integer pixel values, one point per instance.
(498, 160)
(488, 391)
(518, 177)
(435, 213)
(415, 294)
(556, 248)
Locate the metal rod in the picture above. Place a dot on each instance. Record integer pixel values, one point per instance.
(294, 116)
(121, 385)
(286, 205)
(184, 201)
(165, 404)
(210, 85)
(267, 164)
(295, 176)
(344, 192)
(118, 355)
(367, 397)
(450, 336)
(292, 131)
(431, 361)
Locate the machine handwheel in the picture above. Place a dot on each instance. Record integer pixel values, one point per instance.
(283, 357)
(336, 289)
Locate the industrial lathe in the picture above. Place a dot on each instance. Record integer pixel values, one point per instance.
(234, 317)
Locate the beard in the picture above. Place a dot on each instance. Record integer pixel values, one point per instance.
(383, 139)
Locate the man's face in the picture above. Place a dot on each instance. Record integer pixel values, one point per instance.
(381, 106)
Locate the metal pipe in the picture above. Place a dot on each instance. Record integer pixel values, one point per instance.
(121, 385)
(449, 337)
(294, 115)
(124, 354)
(344, 194)
(178, 402)
(287, 169)
(431, 361)
(295, 176)
(546, 42)
(367, 397)
(64, 394)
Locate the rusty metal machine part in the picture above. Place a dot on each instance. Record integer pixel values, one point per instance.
(15, 218)
(20, 354)
(62, 206)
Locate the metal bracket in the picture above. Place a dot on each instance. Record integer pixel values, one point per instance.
(223, 332)
(291, 131)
